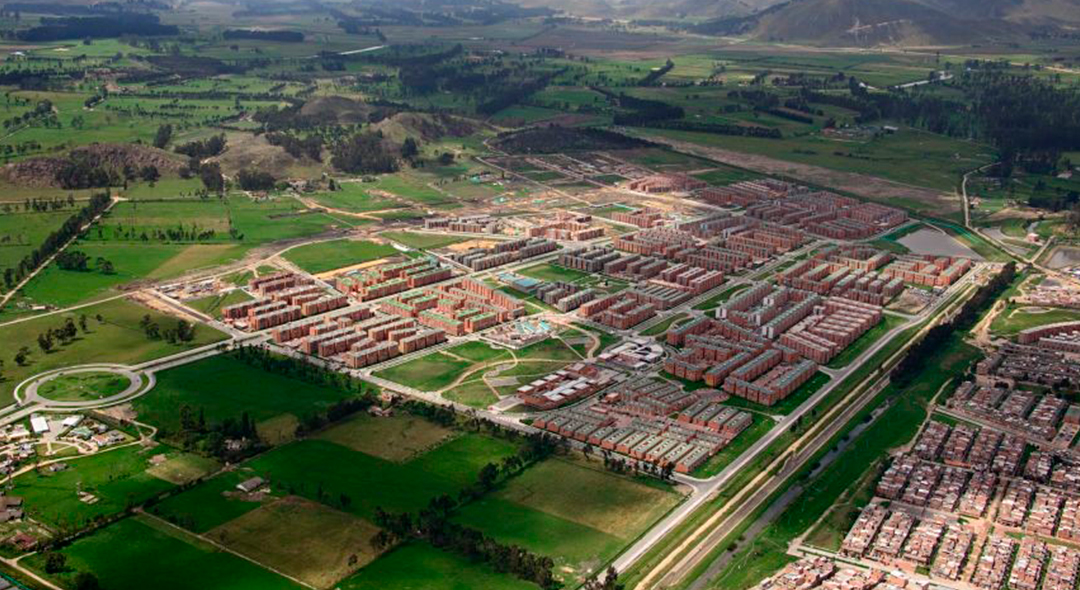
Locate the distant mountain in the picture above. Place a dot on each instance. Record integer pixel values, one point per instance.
(880, 22)
(847, 22)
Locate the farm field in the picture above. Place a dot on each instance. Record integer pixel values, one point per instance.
(334, 544)
(265, 397)
(576, 513)
(117, 479)
(396, 438)
(136, 549)
(419, 566)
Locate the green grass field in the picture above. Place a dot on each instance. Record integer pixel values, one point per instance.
(420, 240)
(137, 549)
(212, 305)
(476, 351)
(323, 471)
(575, 513)
(419, 566)
(117, 479)
(327, 256)
(210, 504)
(303, 539)
(116, 339)
(394, 438)
(84, 386)
(427, 373)
(1014, 319)
(223, 387)
(132, 262)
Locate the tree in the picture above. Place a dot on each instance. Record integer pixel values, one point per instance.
(87, 581)
(164, 134)
(55, 562)
(45, 342)
(211, 177)
(409, 149)
(21, 356)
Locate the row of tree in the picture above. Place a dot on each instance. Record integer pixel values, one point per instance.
(931, 344)
(56, 240)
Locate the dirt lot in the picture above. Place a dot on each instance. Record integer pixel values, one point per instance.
(870, 187)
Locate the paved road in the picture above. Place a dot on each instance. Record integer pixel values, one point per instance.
(712, 485)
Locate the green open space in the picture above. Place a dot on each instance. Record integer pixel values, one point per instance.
(421, 240)
(213, 304)
(130, 552)
(419, 566)
(477, 351)
(864, 342)
(327, 256)
(116, 338)
(474, 393)
(131, 261)
(396, 438)
(431, 372)
(88, 386)
(114, 481)
(301, 538)
(221, 387)
(572, 511)
(1014, 318)
(351, 196)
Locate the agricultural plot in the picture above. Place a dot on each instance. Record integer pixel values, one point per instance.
(419, 566)
(225, 388)
(333, 544)
(575, 513)
(351, 196)
(111, 482)
(395, 438)
(116, 338)
(130, 552)
(131, 262)
(22, 233)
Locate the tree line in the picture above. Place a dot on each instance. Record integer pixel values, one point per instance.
(930, 345)
(56, 240)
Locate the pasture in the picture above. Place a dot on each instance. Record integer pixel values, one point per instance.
(116, 338)
(221, 388)
(130, 552)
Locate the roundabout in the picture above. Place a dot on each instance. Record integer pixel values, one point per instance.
(87, 386)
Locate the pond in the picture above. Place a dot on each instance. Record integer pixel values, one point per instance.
(934, 241)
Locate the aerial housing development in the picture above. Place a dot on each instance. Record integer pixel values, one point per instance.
(540, 295)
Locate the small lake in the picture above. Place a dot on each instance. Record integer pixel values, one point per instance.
(933, 241)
